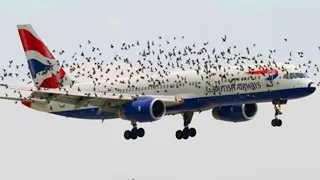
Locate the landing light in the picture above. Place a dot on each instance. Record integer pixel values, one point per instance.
(180, 100)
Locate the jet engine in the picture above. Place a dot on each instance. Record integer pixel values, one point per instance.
(143, 110)
(235, 113)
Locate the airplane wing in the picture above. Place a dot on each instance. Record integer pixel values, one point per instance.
(83, 99)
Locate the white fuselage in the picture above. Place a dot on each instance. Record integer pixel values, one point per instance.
(201, 90)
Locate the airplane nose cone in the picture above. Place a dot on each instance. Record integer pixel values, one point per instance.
(312, 87)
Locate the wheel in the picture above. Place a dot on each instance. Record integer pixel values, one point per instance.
(127, 134)
(192, 132)
(179, 134)
(279, 123)
(274, 122)
(134, 133)
(185, 133)
(140, 132)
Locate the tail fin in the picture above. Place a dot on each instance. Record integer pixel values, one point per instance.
(44, 68)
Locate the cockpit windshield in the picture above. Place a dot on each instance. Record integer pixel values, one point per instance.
(299, 75)
(295, 76)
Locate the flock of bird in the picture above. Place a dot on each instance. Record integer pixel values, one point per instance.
(155, 57)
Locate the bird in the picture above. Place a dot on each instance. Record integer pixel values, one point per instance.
(224, 39)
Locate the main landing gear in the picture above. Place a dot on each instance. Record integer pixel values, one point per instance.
(134, 133)
(186, 132)
(276, 122)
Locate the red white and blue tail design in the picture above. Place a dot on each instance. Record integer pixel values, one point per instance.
(44, 68)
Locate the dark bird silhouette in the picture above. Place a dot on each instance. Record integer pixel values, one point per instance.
(224, 39)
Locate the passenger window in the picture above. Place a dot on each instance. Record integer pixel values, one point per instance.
(286, 76)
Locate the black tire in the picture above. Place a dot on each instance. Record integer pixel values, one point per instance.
(185, 133)
(279, 122)
(140, 132)
(274, 122)
(127, 134)
(192, 132)
(134, 133)
(179, 134)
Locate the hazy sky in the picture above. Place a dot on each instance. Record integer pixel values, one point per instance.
(37, 146)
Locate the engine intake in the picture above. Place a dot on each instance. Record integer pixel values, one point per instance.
(143, 110)
(235, 113)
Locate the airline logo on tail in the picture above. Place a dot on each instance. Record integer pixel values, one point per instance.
(45, 71)
(273, 73)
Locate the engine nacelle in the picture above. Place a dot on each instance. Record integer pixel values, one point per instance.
(143, 110)
(235, 113)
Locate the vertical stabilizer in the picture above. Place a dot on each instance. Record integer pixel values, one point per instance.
(44, 68)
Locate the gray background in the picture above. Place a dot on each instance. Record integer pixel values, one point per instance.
(36, 145)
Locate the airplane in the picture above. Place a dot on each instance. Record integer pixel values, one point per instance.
(231, 93)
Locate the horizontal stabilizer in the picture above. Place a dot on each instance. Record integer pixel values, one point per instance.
(17, 87)
(32, 100)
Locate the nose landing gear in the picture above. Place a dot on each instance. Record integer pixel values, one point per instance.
(276, 122)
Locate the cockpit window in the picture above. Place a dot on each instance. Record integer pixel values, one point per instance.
(297, 75)
(300, 75)
(292, 75)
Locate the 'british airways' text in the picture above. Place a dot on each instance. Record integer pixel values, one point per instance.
(237, 87)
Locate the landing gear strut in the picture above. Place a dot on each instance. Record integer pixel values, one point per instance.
(134, 133)
(276, 122)
(186, 132)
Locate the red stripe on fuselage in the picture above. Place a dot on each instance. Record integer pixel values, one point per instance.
(29, 42)
(264, 71)
(54, 81)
